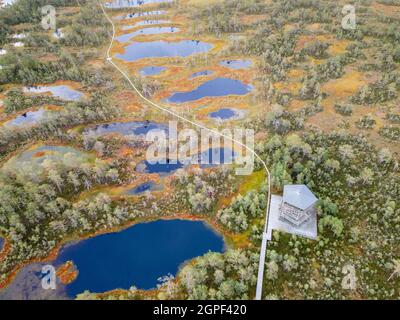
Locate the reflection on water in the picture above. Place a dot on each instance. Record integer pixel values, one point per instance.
(209, 158)
(30, 118)
(126, 128)
(158, 49)
(146, 23)
(213, 88)
(201, 73)
(27, 286)
(236, 64)
(138, 255)
(62, 92)
(151, 70)
(141, 14)
(226, 114)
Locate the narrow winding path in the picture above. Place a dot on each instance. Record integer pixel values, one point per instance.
(260, 277)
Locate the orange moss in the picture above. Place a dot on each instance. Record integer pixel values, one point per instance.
(338, 47)
(387, 10)
(289, 87)
(67, 272)
(304, 39)
(345, 86)
(39, 154)
(295, 73)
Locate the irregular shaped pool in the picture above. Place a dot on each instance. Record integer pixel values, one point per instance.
(138, 255)
(209, 158)
(236, 64)
(158, 49)
(216, 156)
(213, 88)
(151, 70)
(147, 31)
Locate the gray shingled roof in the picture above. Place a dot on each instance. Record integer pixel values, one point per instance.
(299, 196)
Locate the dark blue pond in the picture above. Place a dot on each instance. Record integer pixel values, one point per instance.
(151, 70)
(213, 88)
(147, 23)
(211, 157)
(225, 114)
(141, 14)
(158, 49)
(201, 73)
(116, 4)
(126, 128)
(236, 64)
(161, 168)
(62, 92)
(1, 243)
(147, 186)
(147, 31)
(138, 255)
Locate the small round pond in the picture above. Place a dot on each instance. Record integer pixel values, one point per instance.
(63, 92)
(147, 22)
(164, 167)
(136, 128)
(151, 70)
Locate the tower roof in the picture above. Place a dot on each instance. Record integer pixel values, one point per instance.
(299, 196)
